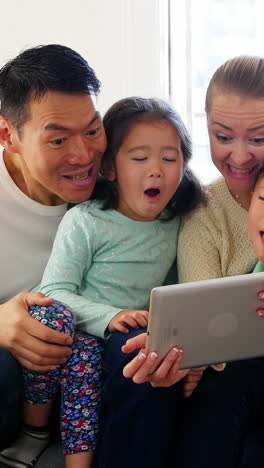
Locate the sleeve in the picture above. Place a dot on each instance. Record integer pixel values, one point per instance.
(69, 261)
(198, 256)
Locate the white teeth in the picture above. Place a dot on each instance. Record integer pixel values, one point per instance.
(240, 171)
(80, 177)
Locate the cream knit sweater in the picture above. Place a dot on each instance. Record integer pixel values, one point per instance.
(214, 240)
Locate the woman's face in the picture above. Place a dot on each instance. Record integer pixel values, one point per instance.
(236, 132)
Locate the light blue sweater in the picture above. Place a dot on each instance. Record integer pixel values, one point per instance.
(103, 262)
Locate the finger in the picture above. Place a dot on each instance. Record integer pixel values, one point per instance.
(129, 320)
(41, 331)
(39, 352)
(30, 366)
(260, 312)
(141, 321)
(121, 327)
(133, 366)
(143, 373)
(134, 343)
(173, 358)
(261, 295)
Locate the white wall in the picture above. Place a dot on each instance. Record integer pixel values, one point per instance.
(125, 41)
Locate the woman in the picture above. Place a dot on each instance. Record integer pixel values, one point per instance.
(214, 241)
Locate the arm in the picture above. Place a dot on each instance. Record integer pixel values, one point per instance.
(27, 339)
(70, 260)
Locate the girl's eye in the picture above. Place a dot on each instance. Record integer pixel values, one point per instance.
(144, 158)
(261, 198)
(58, 141)
(169, 159)
(257, 141)
(223, 138)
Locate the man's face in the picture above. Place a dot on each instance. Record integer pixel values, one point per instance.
(61, 146)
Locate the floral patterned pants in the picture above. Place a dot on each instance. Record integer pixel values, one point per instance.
(79, 380)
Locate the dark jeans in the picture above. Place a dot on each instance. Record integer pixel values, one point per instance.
(11, 398)
(138, 422)
(220, 426)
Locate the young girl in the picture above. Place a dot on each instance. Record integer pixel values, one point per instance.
(107, 256)
(256, 220)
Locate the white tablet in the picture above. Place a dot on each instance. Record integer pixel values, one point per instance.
(213, 321)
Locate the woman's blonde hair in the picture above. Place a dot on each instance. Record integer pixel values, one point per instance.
(242, 75)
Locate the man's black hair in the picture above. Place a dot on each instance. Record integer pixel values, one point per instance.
(38, 70)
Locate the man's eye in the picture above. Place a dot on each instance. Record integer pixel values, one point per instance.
(223, 138)
(57, 142)
(94, 131)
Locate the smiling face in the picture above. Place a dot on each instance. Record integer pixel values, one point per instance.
(148, 168)
(256, 218)
(60, 148)
(236, 131)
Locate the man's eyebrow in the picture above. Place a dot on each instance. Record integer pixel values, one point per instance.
(55, 126)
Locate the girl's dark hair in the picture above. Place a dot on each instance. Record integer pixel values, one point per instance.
(118, 121)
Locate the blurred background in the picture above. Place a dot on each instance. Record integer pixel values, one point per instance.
(152, 48)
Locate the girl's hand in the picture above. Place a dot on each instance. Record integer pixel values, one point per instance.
(260, 312)
(191, 381)
(128, 318)
(168, 372)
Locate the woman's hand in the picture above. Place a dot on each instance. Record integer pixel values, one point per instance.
(260, 312)
(168, 372)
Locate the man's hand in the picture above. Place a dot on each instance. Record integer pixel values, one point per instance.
(29, 340)
(168, 372)
(128, 318)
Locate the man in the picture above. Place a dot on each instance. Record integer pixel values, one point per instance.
(53, 142)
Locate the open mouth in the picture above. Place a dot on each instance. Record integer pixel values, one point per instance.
(82, 176)
(152, 192)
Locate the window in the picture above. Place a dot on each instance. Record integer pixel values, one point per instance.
(203, 35)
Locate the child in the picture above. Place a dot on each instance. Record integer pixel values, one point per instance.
(256, 220)
(107, 256)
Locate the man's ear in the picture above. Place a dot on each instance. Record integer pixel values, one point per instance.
(8, 135)
(108, 170)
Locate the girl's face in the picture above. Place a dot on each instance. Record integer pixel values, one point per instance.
(236, 131)
(148, 168)
(256, 218)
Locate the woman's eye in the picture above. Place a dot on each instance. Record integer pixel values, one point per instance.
(223, 138)
(261, 198)
(257, 141)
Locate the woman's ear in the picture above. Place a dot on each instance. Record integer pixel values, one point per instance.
(108, 170)
(8, 135)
